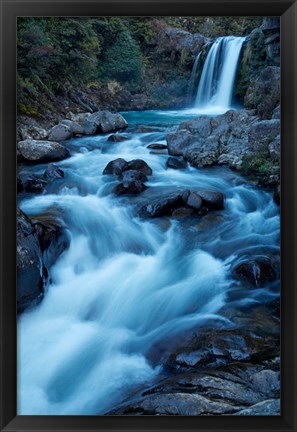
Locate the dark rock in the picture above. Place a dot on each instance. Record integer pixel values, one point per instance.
(29, 264)
(211, 199)
(163, 206)
(53, 239)
(53, 172)
(139, 165)
(157, 146)
(30, 183)
(117, 138)
(132, 187)
(257, 271)
(132, 175)
(195, 201)
(276, 195)
(176, 163)
(60, 132)
(41, 151)
(182, 212)
(116, 167)
(263, 93)
(182, 403)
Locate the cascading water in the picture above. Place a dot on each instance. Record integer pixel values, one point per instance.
(127, 285)
(193, 77)
(215, 89)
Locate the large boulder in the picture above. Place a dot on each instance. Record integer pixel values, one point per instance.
(29, 264)
(263, 94)
(32, 131)
(107, 122)
(75, 128)
(116, 166)
(41, 151)
(60, 132)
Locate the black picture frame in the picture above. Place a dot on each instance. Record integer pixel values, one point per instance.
(287, 10)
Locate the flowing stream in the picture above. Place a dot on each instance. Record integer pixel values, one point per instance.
(126, 285)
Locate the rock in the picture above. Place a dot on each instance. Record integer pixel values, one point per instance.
(89, 127)
(211, 199)
(182, 212)
(116, 167)
(261, 134)
(53, 239)
(133, 187)
(29, 264)
(60, 132)
(176, 163)
(266, 382)
(157, 146)
(274, 149)
(108, 122)
(53, 172)
(140, 102)
(75, 128)
(181, 403)
(270, 407)
(162, 206)
(33, 131)
(258, 271)
(263, 93)
(195, 201)
(140, 165)
(41, 151)
(117, 138)
(30, 183)
(214, 348)
(131, 176)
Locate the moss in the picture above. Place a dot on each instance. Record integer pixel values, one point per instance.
(27, 110)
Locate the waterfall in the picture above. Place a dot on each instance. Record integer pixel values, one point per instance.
(217, 80)
(192, 78)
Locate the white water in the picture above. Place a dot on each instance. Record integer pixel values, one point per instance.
(215, 89)
(126, 285)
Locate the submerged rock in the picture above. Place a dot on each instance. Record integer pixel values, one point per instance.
(258, 271)
(157, 146)
(117, 138)
(53, 172)
(41, 151)
(176, 163)
(131, 187)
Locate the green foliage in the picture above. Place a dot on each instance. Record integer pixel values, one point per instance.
(259, 164)
(122, 61)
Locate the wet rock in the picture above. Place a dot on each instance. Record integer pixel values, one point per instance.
(60, 132)
(163, 206)
(30, 183)
(132, 175)
(182, 212)
(117, 138)
(176, 163)
(215, 348)
(181, 403)
(116, 167)
(258, 271)
(157, 146)
(41, 151)
(195, 201)
(211, 199)
(29, 264)
(132, 187)
(140, 165)
(53, 172)
(270, 407)
(53, 239)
